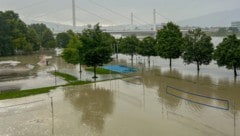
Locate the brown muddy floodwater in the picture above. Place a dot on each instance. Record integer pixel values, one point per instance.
(154, 101)
(147, 103)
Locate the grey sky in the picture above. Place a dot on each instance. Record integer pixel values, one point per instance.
(110, 12)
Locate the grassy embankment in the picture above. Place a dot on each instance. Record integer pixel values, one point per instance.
(23, 93)
(69, 78)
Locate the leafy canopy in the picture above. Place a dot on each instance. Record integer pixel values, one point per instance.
(147, 47)
(129, 44)
(97, 46)
(169, 41)
(73, 53)
(227, 53)
(197, 48)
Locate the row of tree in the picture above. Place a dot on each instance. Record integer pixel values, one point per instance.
(17, 37)
(195, 47)
(94, 47)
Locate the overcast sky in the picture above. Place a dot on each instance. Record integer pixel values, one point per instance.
(115, 12)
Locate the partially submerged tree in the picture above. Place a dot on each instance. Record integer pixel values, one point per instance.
(97, 47)
(169, 42)
(129, 46)
(147, 48)
(197, 48)
(74, 52)
(228, 53)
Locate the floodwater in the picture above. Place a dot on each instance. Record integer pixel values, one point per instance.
(154, 101)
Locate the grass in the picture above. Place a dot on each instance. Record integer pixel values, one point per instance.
(78, 83)
(67, 77)
(100, 70)
(23, 93)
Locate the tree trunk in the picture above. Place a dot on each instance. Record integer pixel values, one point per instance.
(80, 68)
(149, 61)
(170, 62)
(79, 57)
(198, 67)
(235, 71)
(132, 60)
(94, 70)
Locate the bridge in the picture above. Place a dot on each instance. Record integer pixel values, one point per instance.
(124, 33)
(139, 33)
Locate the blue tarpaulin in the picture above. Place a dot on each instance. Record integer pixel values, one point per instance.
(119, 68)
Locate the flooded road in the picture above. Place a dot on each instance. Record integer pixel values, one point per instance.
(151, 103)
(154, 101)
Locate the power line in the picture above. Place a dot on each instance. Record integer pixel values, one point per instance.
(110, 10)
(91, 13)
(168, 19)
(31, 5)
(141, 20)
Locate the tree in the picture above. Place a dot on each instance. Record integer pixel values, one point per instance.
(12, 33)
(97, 47)
(74, 52)
(63, 39)
(129, 45)
(45, 35)
(147, 48)
(227, 53)
(169, 42)
(197, 48)
(33, 39)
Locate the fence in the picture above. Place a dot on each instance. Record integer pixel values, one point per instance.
(197, 98)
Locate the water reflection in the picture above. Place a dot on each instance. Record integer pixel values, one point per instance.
(94, 103)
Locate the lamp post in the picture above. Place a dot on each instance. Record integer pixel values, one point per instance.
(55, 70)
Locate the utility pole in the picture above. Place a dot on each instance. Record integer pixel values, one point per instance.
(131, 18)
(73, 14)
(154, 20)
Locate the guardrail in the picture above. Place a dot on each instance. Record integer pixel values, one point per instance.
(198, 95)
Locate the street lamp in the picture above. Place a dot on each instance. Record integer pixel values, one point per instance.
(55, 70)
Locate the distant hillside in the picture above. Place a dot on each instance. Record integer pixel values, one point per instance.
(223, 18)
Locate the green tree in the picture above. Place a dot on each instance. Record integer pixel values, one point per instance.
(33, 39)
(197, 48)
(169, 42)
(63, 39)
(74, 52)
(147, 48)
(129, 45)
(45, 35)
(97, 47)
(227, 53)
(12, 33)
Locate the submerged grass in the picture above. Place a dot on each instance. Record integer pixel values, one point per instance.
(67, 77)
(100, 70)
(23, 93)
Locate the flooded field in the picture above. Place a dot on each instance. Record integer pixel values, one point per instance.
(140, 105)
(155, 100)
